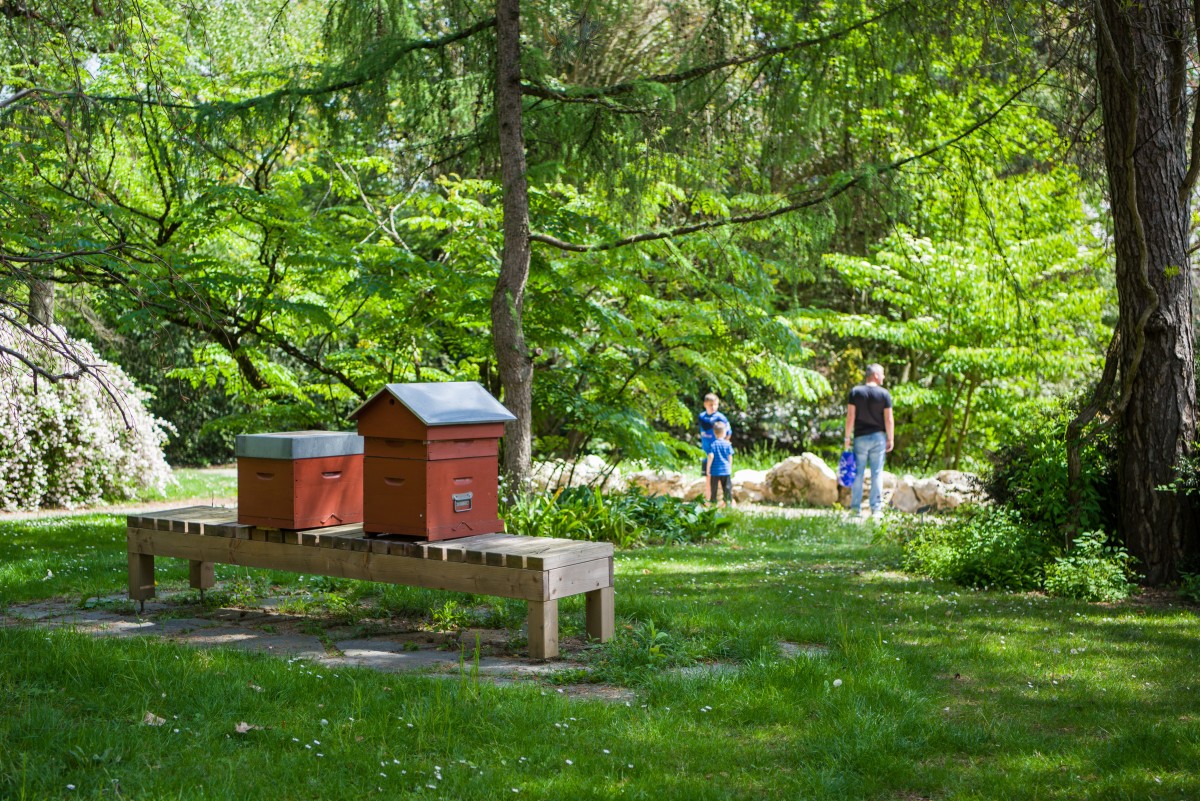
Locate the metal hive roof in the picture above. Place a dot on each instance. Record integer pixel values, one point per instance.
(446, 403)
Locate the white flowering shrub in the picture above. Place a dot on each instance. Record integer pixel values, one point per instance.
(77, 441)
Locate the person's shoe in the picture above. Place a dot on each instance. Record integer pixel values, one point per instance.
(877, 514)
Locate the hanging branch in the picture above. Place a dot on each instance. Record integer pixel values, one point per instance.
(595, 95)
(823, 197)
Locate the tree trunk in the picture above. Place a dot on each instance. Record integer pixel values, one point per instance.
(41, 301)
(1142, 68)
(508, 300)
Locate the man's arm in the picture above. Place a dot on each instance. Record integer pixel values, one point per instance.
(890, 427)
(850, 410)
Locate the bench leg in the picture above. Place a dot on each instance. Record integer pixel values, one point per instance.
(141, 577)
(543, 629)
(200, 576)
(599, 613)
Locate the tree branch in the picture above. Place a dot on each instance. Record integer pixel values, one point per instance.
(592, 95)
(823, 197)
(360, 76)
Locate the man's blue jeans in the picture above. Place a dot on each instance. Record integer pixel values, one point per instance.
(868, 450)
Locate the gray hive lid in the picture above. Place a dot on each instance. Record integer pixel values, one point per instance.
(299, 444)
(445, 404)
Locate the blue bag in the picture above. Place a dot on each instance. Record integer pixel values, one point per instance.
(847, 469)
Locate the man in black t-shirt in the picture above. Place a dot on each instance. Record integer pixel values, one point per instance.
(870, 427)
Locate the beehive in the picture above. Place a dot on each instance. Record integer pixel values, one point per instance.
(300, 479)
(431, 460)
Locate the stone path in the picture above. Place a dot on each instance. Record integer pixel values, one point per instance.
(267, 630)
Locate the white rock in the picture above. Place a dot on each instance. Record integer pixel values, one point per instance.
(696, 489)
(654, 483)
(927, 490)
(904, 499)
(749, 486)
(950, 500)
(802, 479)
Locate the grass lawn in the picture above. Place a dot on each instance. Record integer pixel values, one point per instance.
(885, 687)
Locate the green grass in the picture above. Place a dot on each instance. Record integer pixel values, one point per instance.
(911, 689)
(200, 482)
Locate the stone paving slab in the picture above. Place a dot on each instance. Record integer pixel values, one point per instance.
(267, 631)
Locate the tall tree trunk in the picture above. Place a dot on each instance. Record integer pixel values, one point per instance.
(1143, 68)
(41, 301)
(508, 300)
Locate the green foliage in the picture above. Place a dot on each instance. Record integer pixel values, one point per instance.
(983, 315)
(1091, 571)
(1187, 475)
(628, 519)
(1189, 586)
(639, 651)
(988, 546)
(1029, 475)
(450, 617)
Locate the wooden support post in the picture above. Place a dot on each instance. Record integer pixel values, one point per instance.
(141, 577)
(600, 614)
(543, 629)
(200, 576)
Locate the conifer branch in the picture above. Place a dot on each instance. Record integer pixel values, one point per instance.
(823, 197)
(594, 95)
(361, 74)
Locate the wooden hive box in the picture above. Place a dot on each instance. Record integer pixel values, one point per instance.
(431, 460)
(300, 479)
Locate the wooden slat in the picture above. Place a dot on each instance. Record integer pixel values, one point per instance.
(559, 553)
(480, 548)
(562, 582)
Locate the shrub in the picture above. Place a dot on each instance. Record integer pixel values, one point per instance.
(1189, 587)
(626, 519)
(66, 443)
(987, 546)
(1030, 476)
(1091, 571)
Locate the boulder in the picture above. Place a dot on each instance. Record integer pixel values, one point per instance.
(904, 498)
(590, 471)
(949, 499)
(654, 483)
(804, 479)
(954, 477)
(750, 486)
(696, 490)
(887, 480)
(926, 490)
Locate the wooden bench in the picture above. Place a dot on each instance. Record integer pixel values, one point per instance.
(538, 570)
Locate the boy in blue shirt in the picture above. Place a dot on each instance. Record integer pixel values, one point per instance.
(709, 418)
(720, 465)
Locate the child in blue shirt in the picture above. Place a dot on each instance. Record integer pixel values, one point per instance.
(709, 418)
(720, 465)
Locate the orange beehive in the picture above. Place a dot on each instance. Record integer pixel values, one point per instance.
(300, 479)
(431, 460)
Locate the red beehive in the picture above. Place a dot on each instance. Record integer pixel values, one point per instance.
(431, 460)
(300, 479)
